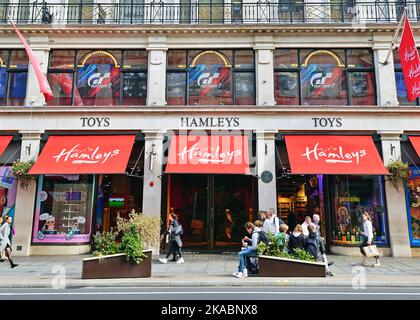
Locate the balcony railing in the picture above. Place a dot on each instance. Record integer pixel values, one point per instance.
(234, 12)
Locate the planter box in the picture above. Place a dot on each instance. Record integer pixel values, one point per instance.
(282, 267)
(116, 266)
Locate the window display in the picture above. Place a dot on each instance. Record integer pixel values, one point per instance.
(64, 209)
(212, 77)
(413, 206)
(352, 196)
(84, 78)
(400, 83)
(324, 77)
(13, 77)
(8, 190)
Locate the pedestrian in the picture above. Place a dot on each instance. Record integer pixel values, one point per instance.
(174, 232)
(316, 221)
(291, 220)
(5, 240)
(282, 237)
(305, 225)
(248, 251)
(315, 246)
(262, 215)
(229, 224)
(272, 223)
(367, 235)
(296, 239)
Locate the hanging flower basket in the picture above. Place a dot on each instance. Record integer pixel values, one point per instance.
(399, 173)
(20, 170)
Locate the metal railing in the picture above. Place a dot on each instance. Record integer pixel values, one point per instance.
(234, 12)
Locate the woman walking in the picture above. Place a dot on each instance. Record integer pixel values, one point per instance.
(367, 238)
(5, 240)
(175, 243)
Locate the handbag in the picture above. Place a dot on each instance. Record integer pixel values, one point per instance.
(371, 251)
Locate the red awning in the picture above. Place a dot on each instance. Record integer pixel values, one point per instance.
(84, 155)
(415, 141)
(334, 155)
(4, 142)
(208, 154)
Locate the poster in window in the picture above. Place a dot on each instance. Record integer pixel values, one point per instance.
(2, 82)
(98, 82)
(413, 204)
(324, 84)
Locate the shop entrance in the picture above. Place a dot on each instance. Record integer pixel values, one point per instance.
(211, 208)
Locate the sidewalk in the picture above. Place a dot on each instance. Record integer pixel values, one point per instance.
(202, 270)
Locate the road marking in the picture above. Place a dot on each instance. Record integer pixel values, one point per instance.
(209, 292)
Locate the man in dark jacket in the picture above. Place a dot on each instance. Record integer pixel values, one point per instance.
(315, 246)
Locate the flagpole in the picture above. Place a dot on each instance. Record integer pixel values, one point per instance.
(397, 32)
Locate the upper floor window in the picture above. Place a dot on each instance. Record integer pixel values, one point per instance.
(210, 77)
(86, 78)
(400, 83)
(324, 77)
(13, 77)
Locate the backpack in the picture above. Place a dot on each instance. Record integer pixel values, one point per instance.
(263, 237)
(312, 247)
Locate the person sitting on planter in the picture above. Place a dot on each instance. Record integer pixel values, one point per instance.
(175, 243)
(282, 237)
(249, 251)
(306, 224)
(315, 246)
(296, 239)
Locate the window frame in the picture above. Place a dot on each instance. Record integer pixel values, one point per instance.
(346, 69)
(185, 70)
(9, 71)
(123, 70)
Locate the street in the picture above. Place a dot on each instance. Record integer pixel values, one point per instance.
(212, 294)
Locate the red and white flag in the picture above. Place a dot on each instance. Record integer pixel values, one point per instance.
(44, 86)
(410, 62)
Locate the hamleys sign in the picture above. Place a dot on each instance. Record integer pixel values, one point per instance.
(208, 154)
(84, 154)
(334, 155)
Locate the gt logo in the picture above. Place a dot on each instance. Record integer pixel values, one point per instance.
(96, 80)
(318, 80)
(205, 80)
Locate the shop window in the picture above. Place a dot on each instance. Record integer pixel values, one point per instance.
(413, 206)
(353, 195)
(85, 78)
(64, 209)
(400, 83)
(8, 190)
(210, 77)
(13, 77)
(324, 77)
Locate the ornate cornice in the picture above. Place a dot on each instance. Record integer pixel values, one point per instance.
(255, 29)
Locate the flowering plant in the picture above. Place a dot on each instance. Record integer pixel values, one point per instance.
(399, 173)
(20, 170)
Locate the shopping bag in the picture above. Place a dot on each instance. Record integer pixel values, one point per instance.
(371, 251)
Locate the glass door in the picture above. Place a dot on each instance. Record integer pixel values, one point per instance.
(233, 207)
(188, 198)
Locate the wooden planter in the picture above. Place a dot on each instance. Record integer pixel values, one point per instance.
(282, 267)
(116, 266)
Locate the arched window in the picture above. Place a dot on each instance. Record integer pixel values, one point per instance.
(98, 79)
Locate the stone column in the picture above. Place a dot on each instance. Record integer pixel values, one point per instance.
(266, 169)
(156, 74)
(386, 92)
(152, 182)
(39, 46)
(25, 198)
(264, 73)
(395, 200)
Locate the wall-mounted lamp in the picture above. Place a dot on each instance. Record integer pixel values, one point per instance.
(28, 149)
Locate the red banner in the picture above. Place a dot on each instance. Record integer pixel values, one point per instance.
(334, 155)
(410, 62)
(44, 86)
(208, 154)
(84, 155)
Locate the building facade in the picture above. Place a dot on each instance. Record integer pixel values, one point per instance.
(213, 110)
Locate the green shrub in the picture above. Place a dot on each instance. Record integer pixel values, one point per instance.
(276, 249)
(105, 244)
(132, 245)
